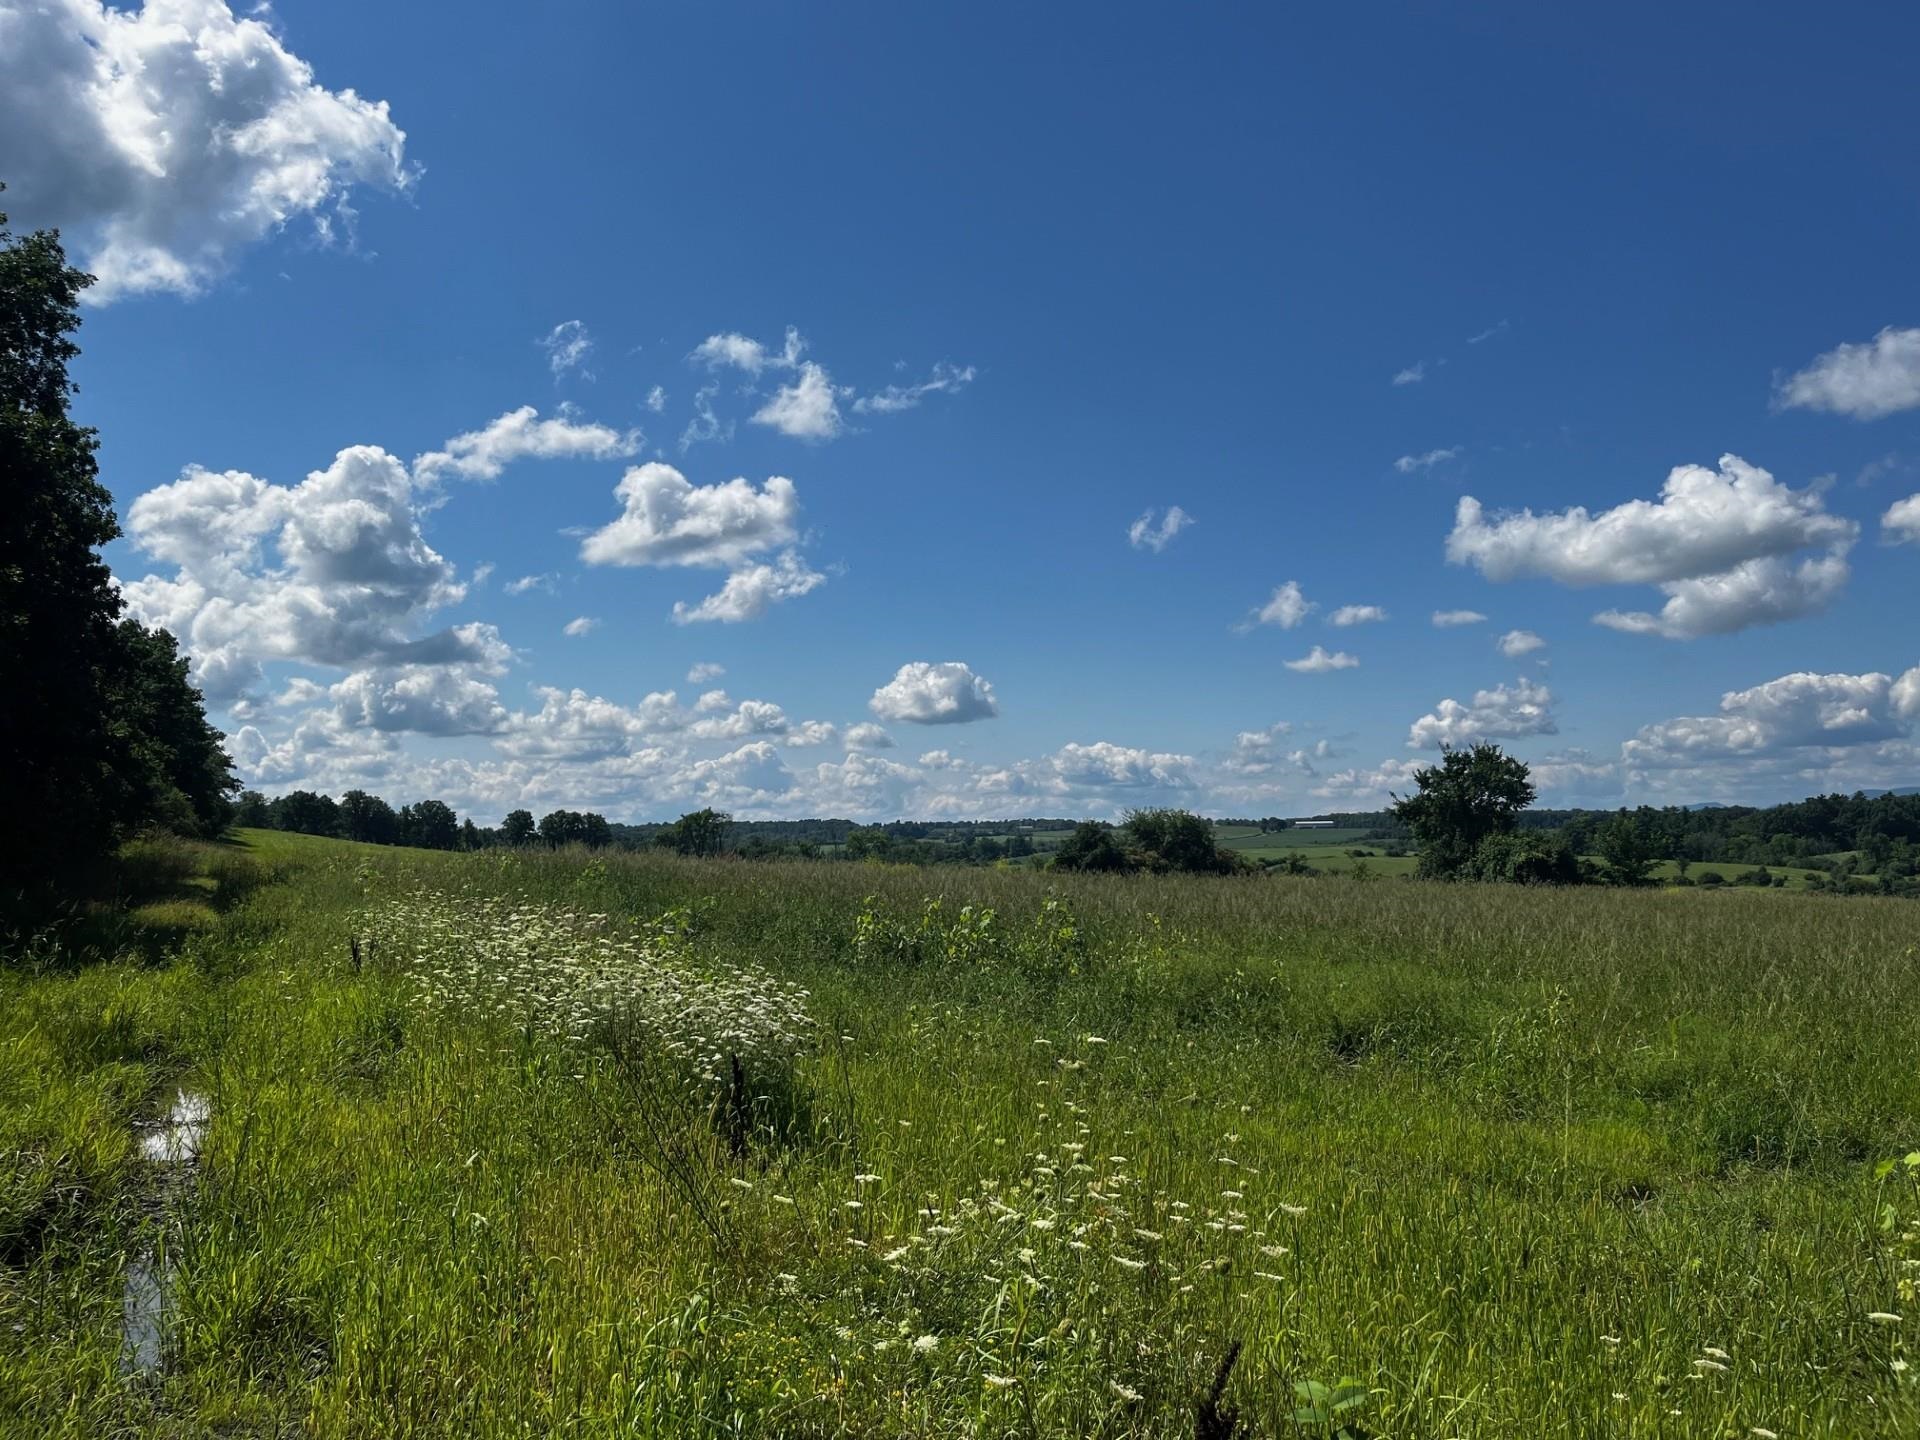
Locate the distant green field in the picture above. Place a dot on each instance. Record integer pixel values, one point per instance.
(1250, 841)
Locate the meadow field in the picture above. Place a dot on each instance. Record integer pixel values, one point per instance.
(568, 1144)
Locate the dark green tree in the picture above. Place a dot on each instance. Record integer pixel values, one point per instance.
(306, 813)
(252, 811)
(170, 766)
(101, 732)
(1470, 795)
(1095, 846)
(698, 832)
(368, 818)
(1179, 841)
(433, 825)
(517, 828)
(58, 609)
(1627, 848)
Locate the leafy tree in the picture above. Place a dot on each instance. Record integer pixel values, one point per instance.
(571, 827)
(1179, 840)
(252, 812)
(1470, 795)
(368, 818)
(517, 828)
(101, 732)
(870, 843)
(1094, 846)
(1628, 850)
(433, 825)
(698, 832)
(306, 813)
(1524, 857)
(57, 606)
(170, 767)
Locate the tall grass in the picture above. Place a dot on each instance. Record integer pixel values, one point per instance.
(1511, 1163)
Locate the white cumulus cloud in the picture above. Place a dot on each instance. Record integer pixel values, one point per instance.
(807, 409)
(1319, 660)
(1868, 380)
(522, 435)
(1718, 543)
(750, 590)
(1286, 608)
(168, 138)
(923, 693)
(1447, 619)
(582, 625)
(1902, 520)
(1502, 713)
(668, 520)
(1516, 643)
(569, 345)
(1357, 615)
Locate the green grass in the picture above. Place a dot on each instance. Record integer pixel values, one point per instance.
(1510, 1159)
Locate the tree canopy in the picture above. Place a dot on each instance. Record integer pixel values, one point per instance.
(101, 732)
(1470, 796)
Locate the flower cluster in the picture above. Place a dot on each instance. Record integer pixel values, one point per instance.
(573, 976)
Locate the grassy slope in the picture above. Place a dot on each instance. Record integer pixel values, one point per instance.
(1519, 1123)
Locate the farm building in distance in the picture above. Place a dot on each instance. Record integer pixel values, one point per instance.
(1312, 824)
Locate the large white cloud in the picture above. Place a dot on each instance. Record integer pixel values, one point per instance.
(522, 435)
(332, 571)
(166, 139)
(923, 693)
(1502, 713)
(668, 520)
(1718, 543)
(1787, 737)
(1867, 381)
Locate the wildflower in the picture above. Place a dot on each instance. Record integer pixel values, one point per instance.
(1267, 1275)
(738, 1183)
(1128, 1263)
(1759, 1434)
(926, 1344)
(999, 1382)
(1149, 1234)
(1294, 1210)
(1125, 1392)
(1883, 1317)
(1610, 1340)
(866, 1179)
(1275, 1251)
(1715, 1352)
(853, 1205)
(893, 1256)
(1096, 1040)
(1713, 1365)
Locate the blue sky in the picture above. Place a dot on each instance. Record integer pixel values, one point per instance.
(1312, 279)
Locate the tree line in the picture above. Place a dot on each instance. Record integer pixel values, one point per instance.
(102, 734)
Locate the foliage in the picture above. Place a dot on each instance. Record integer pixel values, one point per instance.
(100, 732)
(1095, 848)
(697, 833)
(1524, 857)
(1628, 850)
(572, 827)
(1470, 795)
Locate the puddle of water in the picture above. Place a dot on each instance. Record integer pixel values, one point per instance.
(142, 1314)
(173, 1145)
(175, 1140)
